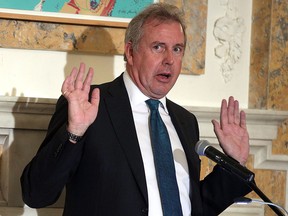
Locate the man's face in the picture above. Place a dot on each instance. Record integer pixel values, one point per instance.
(155, 66)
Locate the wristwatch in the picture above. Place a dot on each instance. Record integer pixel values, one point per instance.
(73, 137)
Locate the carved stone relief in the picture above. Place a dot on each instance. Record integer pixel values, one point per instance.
(228, 31)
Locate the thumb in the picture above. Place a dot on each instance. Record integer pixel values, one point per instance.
(217, 128)
(95, 97)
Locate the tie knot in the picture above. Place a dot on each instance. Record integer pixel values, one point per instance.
(153, 104)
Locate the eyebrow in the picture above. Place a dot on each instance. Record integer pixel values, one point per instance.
(181, 44)
(163, 43)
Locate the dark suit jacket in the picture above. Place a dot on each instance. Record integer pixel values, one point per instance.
(104, 172)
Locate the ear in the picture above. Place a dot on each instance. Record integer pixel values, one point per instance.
(129, 53)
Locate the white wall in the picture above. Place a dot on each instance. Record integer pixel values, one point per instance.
(34, 73)
(210, 88)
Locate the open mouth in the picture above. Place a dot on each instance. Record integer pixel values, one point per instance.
(165, 75)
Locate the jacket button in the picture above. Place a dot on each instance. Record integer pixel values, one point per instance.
(144, 211)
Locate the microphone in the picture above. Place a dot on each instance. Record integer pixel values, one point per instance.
(245, 200)
(203, 147)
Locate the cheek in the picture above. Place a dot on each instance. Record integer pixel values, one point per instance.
(178, 66)
(145, 76)
(147, 67)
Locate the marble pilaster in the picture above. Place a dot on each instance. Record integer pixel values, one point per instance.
(268, 87)
(259, 61)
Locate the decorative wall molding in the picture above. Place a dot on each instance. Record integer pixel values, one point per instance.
(229, 31)
(23, 126)
(263, 129)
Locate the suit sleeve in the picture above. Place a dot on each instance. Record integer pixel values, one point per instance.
(219, 189)
(44, 178)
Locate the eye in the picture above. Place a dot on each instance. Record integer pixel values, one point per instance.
(178, 50)
(158, 48)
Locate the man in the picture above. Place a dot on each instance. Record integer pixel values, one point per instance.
(98, 142)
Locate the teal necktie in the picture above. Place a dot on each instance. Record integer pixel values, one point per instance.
(164, 162)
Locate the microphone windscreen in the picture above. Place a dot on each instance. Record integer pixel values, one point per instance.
(201, 146)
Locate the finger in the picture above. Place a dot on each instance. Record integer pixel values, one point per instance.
(88, 80)
(73, 76)
(223, 113)
(231, 117)
(68, 84)
(243, 119)
(66, 93)
(64, 86)
(217, 129)
(79, 79)
(236, 113)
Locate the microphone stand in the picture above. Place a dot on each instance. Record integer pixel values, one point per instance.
(245, 200)
(254, 187)
(230, 165)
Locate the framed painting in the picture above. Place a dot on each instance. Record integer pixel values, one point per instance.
(113, 13)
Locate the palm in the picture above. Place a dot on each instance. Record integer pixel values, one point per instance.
(81, 111)
(232, 132)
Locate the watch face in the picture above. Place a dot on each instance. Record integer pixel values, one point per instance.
(73, 137)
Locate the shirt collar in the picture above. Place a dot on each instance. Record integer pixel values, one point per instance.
(135, 95)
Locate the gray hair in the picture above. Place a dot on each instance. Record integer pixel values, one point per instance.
(162, 12)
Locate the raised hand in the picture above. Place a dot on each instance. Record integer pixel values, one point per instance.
(81, 112)
(232, 133)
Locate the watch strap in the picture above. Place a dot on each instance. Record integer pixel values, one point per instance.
(73, 137)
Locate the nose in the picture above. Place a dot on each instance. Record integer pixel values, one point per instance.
(168, 57)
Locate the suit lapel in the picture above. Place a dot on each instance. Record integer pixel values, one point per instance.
(188, 135)
(119, 109)
(188, 140)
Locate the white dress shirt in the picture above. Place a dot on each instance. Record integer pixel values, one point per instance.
(141, 116)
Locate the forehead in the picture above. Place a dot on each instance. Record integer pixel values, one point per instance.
(163, 30)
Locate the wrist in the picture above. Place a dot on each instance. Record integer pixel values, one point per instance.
(77, 130)
(73, 138)
(74, 134)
